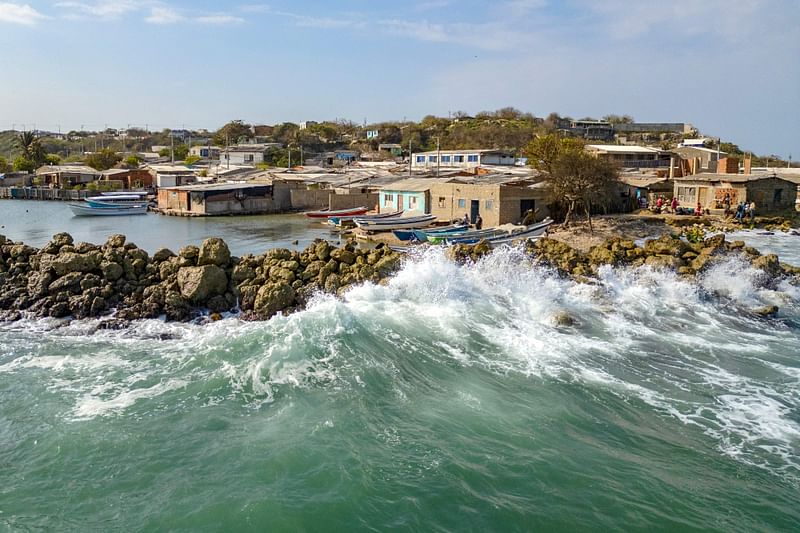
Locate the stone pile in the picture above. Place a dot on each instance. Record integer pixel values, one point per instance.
(85, 280)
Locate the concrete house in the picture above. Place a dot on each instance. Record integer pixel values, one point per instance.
(450, 159)
(225, 199)
(205, 152)
(771, 193)
(172, 175)
(64, 176)
(630, 156)
(703, 158)
(411, 195)
(497, 199)
(131, 178)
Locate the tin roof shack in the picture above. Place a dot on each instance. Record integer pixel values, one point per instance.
(639, 191)
(16, 179)
(224, 199)
(131, 178)
(497, 199)
(771, 193)
(172, 175)
(630, 156)
(412, 195)
(65, 176)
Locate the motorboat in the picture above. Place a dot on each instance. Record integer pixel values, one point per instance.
(337, 221)
(421, 235)
(327, 213)
(391, 224)
(80, 210)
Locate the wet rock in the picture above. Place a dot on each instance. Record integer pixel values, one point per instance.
(343, 256)
(198, 284)
(188, 256)
(64, 263)
(116, 241)
(769, 264)
(111, 271)
(214, 251)
(68, 283)
(273, 298)
(663, 261)
(242, 272)
(766, 311)
(666, 245)
(563, 319)
(163, 254)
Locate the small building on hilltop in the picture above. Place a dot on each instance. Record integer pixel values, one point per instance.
(220, 199)
(699, 157)
(630, 156)
(246, 154)
(772, 194)
(460, 159)
(498, 199)
(172, 175)
(66, 176)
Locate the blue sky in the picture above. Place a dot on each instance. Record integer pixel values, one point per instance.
(730, 67)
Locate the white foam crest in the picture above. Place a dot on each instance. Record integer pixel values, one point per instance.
(107, 398)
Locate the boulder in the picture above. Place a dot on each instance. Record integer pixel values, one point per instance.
(70, 282)
(272, 298)
(64, 263)
(162, 254)
(214, 251)
(111, 271)
(769, 264)
(666, 245)
(198, 284)
(343, 256)
(323, 251)
(242, 272)
(115, 241)
(663, 261)
(188, 255)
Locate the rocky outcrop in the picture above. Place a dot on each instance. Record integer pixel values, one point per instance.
(84, 280)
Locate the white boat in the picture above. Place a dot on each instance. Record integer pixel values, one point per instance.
(532, 232)
(81, 210)
(389, 224)
(116, 199)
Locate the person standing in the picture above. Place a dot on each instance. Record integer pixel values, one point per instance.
(752, 210)
(674, 204)
(478, 222)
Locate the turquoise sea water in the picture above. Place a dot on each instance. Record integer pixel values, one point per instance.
(447, 400)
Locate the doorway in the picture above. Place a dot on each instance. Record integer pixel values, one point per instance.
(525, 206)
(474, 210)
(399, 202)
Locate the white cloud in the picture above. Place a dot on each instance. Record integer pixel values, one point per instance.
(219, 20)
(106, 9)
(19, 14)
(487, 36)
(163, 16)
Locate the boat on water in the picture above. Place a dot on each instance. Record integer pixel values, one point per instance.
(390, 224)
(421, 235)
(337, 221)
(117, 200)
(327, 213)
(471, 235)
(87, 209)
(532, 232)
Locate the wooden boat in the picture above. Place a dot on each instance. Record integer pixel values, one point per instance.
(390, 224)
(466, 237)
(117, 199)
(421, 235)
(81, 210)
(532, 232)
(327, 213)
(337, 221)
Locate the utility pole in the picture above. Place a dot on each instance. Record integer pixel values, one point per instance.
(409, 156)
(289, 147)
(438, 156)
(301, 156)
(172, 146)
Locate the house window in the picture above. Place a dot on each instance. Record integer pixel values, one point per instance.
(431, 159)
(687, 195)
(420, 159)
(388, 199)
(442, 201)
(462, 203)
(248, 158)
(445, 159)
(412, 203)
(489, 205)
(458, 158)
(472, 158)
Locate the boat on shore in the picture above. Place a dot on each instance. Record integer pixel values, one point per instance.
(531, 233)
(82, 210)
(337, 221)
(422, 235)
(390, 224)
(327, 213)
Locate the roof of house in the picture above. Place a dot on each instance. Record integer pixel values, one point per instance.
(54, 169)
(413, 184)
(730, 178)
(698, 148)
(450, 152)
(622, 149)
(215, 187)
(170, 168)
(643, 182)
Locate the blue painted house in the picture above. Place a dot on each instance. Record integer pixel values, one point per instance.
(413, 195)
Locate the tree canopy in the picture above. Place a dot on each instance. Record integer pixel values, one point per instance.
(579, 179)
(104, 159)
(232, 133)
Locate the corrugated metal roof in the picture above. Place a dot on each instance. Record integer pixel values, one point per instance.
(730, 178)
(622, 149)
(413, 184)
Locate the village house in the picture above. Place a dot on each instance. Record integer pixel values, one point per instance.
(246, 154)
(66, 176)
(205, 152)
(16, 179)
(772, 194)
(130, 178)
(498, 199)
(700, 157)
(643, 190)
(172, 175)
(449, 159)
(412, 195)
(219, 199)
(630, 156)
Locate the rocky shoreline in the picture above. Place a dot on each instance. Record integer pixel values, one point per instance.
(125, 283)
(85, 280)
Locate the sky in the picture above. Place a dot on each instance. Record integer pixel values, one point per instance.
(729, 67)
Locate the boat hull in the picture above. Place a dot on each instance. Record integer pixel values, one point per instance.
(89, 211)
(392, 224)
(327, 213)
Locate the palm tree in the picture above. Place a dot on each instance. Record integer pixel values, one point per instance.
(32, 149)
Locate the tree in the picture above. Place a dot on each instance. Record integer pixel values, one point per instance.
(192, 159)
(104, 159)
(133, 161)
(52, 159)
(181, 152)
(165, 152)
(31, 148)
(4, 166)
(543, 151)
(233, 132)
(619, 119)
(580, 179)
(21, 164)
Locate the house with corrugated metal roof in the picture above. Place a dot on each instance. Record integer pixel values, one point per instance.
(770, 192)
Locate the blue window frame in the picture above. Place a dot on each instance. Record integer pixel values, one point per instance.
(431, 159)
(420, 159)
(472, 158)
(462, 203)
(445, 159)
(458, 158)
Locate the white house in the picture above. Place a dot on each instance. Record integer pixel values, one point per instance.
(206, 152)
(461, 159)
(172, 175)
(246, 154)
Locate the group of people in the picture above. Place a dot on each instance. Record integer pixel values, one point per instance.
(743, 209)
(661, 204)
(478, 221)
